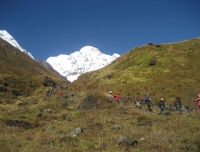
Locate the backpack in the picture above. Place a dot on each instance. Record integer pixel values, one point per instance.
(146, 98)
(161, 104)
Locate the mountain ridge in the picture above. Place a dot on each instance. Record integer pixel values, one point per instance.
(8, 38)
(70, 66)
(20, 74)
(87, 59)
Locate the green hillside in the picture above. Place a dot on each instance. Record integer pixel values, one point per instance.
(175, 73)
(81, 118)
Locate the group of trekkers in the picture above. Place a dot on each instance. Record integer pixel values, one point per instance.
(50, 89)
(116, 96)
(147, 100)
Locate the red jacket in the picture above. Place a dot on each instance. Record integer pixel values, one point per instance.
(117, 96)
(198, 100)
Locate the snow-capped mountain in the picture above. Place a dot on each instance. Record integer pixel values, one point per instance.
(87, 59)
(7, 37)
(70, 66)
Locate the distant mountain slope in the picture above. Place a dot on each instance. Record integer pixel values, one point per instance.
(87, 59)
(7, 37)
(164, 70)
(19, 72)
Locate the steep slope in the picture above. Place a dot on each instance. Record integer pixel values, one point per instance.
(20, 74)
(164, 70)
(8, 38)
(87, 59)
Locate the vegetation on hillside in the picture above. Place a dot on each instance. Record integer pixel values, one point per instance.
(163, 70)
(19, 74)
(32, 121)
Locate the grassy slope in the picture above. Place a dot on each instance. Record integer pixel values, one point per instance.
(44, 122)
(175, 73)
(20, 72)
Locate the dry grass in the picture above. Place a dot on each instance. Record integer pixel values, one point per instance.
(20, 74)
(34, 122)
(52, 119)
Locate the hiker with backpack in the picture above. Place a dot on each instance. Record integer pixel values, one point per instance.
(147, 100)
(137, 101)
(197, 100)
(53, 87)
(117, 97)
(110, 95)
(178, 104)
(161, 105)
(47, 91)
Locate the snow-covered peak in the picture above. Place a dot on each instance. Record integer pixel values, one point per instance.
(89, 49)
(87, 59)
(7, 37)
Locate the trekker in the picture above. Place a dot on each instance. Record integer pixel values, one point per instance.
(117, 97)
(147, 100)
(178, 104)
(110, 95)
(47, 92)
(197, 100)
(53, 87)
(161, 105)
(137, 100)
(66, 87)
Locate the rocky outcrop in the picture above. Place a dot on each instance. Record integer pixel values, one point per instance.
(90, 102)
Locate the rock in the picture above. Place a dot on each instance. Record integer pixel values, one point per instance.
(75, 132)
(190, 148)
(127, 140)
(48, 81)
(49, 110)
(110, 121)
(142, 139)
(20, 123)
(144, 123)
(90, 102)
(46, 128)
(152, 62)
(150, 43)
(16, 92)
(3, 89)
(116, 127)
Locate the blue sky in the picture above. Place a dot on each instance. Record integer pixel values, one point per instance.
(53, 27)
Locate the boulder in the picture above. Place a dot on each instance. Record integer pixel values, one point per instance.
(127, 140)
(152, 62)
(90, 102)
(75, 132)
